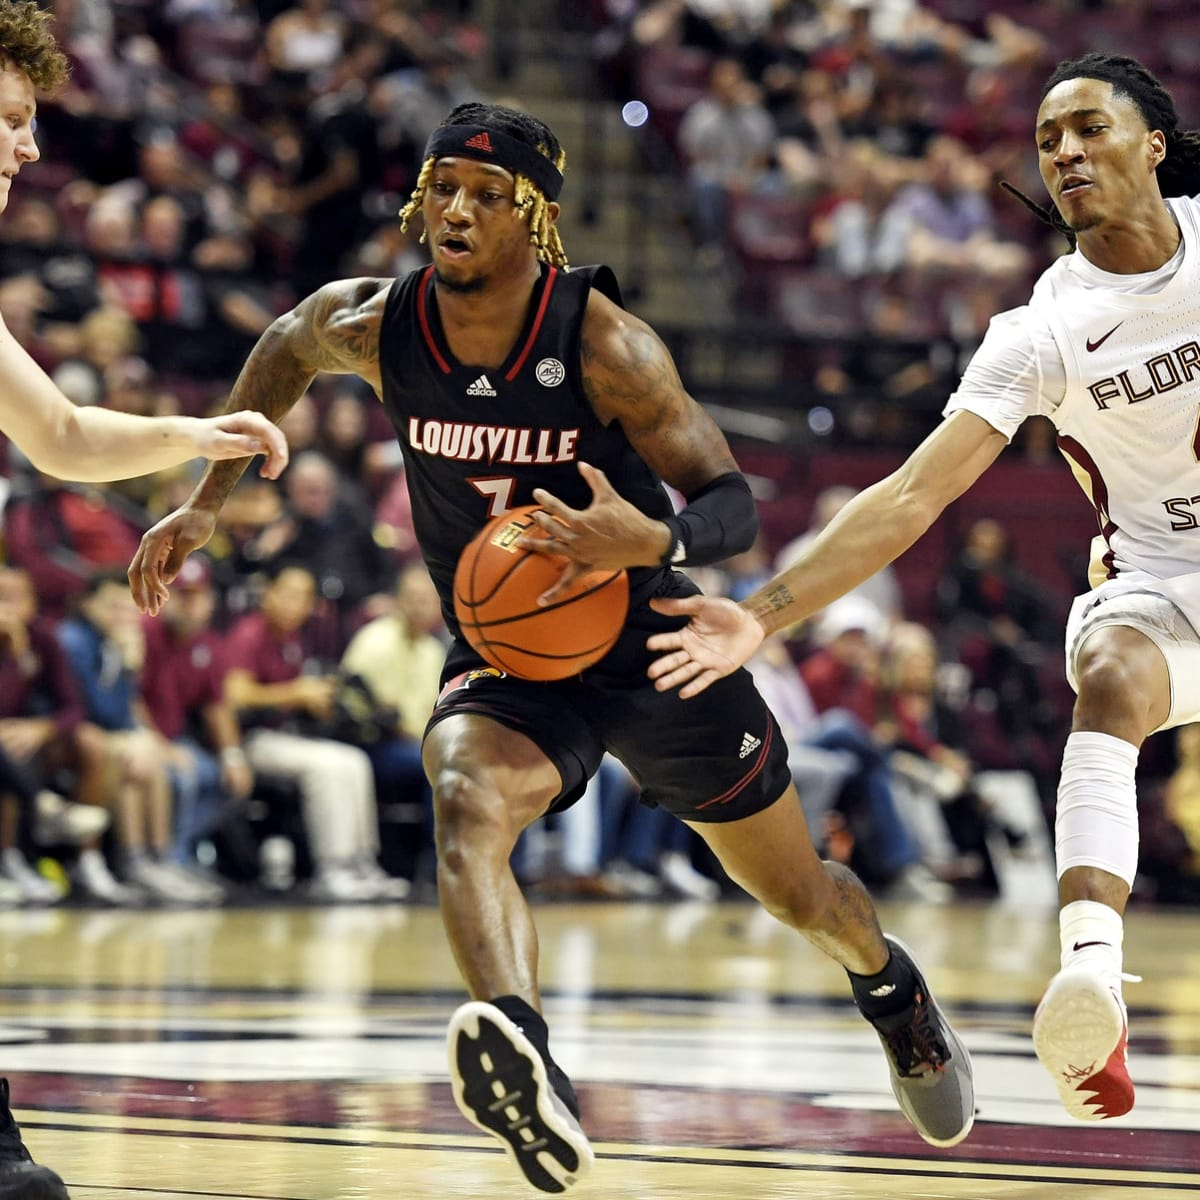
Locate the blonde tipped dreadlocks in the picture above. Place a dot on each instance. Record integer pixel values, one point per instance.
(529, 196)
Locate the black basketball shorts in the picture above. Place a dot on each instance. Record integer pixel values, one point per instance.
(717, 757)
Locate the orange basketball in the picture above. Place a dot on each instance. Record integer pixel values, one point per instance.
(496, 587)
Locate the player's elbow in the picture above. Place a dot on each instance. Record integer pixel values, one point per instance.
(915, 508)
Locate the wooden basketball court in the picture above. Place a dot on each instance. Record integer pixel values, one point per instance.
(297, 1054)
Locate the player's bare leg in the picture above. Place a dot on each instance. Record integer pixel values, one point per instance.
(771, 855)
(489, 783)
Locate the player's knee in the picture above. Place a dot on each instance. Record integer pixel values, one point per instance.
(470, 818)
(1111, 687)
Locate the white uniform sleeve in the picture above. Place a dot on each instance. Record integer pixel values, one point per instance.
(1017, 372)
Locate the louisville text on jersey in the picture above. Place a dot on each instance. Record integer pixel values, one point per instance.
(467, 442)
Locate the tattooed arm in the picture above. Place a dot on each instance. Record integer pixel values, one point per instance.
(335, 329)
(630, 379)
(877, 526)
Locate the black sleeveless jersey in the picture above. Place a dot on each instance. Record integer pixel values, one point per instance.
(478, 441)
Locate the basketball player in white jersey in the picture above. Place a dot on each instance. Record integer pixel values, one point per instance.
(80, 443)
(1108, 348)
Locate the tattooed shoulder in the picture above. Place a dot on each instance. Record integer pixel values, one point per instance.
(625, 365)
(340, 325)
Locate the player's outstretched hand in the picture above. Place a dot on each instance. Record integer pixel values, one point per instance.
(719, 638)
(162, 551)
(242, 435)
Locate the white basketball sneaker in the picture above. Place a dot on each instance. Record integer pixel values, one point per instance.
(1080, 1033)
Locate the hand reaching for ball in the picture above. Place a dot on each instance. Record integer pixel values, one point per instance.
(608, 535)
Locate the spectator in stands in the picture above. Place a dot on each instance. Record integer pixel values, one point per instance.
(843, 671)
(107, 335)
(183, 689)
(844, 779)
(343, 438)
(61, 533)
(163, 170)
(332, 533)
(399, 657)
(894, 123)
(726, 139)
(944, 221)
(999, 623)
(928, 741)
(106, 649)
(410, 103)
(40, 715)
(304, 41)
(323, 194)
(302, 424)
(645, 852)
(283, 708)
(943, 228)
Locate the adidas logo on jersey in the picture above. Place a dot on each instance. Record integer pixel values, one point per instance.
(481, 387)
(749, 744)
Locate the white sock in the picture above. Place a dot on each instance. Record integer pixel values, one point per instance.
(1091, 934)
(1096, 821)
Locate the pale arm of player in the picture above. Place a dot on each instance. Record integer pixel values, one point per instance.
(97, 444)
(876, 527)
(335, 329)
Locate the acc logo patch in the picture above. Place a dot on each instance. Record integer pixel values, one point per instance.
(550, 372)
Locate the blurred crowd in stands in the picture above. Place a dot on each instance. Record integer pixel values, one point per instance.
(214, 160)
(842, 161)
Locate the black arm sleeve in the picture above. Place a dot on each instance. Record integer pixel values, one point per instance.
(720, 520)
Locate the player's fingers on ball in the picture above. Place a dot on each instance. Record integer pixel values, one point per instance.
(552, 504)
(561, 586)
(555, 526)
(538, 545)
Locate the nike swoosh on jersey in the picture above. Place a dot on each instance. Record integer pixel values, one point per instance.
(1100, 341)
(1085, 945)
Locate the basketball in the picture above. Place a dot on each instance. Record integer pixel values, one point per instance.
(496, 587)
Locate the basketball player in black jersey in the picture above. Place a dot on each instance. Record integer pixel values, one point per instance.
(60, 439)
(511, 379)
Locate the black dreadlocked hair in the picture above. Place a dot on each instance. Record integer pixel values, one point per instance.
(530, 200)
(1178, 173)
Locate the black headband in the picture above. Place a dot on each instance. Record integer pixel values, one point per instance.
(489, 145)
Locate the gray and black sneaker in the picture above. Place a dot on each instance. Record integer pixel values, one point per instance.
(504, 1086)
(931, 1069)
(20, 1177)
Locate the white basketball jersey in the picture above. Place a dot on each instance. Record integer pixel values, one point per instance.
(1129, 423)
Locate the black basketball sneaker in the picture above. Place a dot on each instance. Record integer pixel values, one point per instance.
(20, 1177)
(504, 1086)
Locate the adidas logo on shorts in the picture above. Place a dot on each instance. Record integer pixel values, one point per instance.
(481, 387)
(749, 744)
